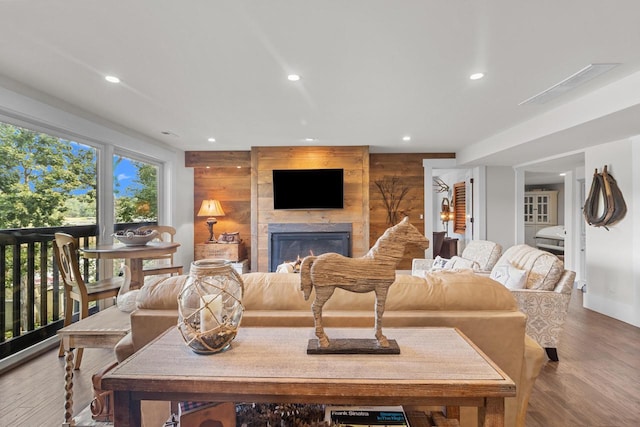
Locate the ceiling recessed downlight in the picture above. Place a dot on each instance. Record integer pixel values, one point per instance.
(112, 79)
(293, 77)
(476, 76)
(406, 138)
(211, 139)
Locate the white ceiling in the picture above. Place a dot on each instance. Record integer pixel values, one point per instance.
(372, 70)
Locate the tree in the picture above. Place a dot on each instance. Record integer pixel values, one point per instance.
(140, 201)
(38, 172)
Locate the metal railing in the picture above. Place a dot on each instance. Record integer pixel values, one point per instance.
(32, 297)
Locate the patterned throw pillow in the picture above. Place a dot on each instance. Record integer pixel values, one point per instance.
(509, 276)
(439, 263)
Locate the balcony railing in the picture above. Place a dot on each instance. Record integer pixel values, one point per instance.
(32, 298)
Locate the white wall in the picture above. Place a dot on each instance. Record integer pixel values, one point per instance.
(500, 206)
(612, 256)
(39, 112)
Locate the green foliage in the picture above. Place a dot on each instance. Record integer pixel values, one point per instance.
(38, 174)
(140, 202)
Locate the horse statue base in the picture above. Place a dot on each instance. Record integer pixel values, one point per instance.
(352, 346)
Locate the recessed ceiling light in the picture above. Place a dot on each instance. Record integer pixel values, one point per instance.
(476, 76)
(309, 140)
(563, 174)
(406, 138)
(211, 140)
(112, 79)
(293, 77)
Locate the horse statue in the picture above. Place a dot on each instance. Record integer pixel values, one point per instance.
(375, 271)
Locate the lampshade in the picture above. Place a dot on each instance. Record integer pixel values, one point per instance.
(210, 208)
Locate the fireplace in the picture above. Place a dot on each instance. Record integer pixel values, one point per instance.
(287, 242)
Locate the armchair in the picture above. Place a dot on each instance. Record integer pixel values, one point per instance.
(544, 293)
(478, 255)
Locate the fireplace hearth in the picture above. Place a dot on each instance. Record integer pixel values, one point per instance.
(287, 242)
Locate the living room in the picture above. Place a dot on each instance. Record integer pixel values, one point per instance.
(470, 125)
(596, 119)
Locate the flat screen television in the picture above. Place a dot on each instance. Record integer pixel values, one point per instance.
(308, 188)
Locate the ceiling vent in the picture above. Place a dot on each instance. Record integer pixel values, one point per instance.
(589, 72)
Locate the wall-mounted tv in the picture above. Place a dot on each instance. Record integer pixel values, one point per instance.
(308, 188)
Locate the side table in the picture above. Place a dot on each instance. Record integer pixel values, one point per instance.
(234, 252)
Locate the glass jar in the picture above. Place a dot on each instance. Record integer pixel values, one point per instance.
(210, 306)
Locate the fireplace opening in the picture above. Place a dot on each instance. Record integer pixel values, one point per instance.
(288, 242)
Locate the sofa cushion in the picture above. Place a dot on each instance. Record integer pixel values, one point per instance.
(544, 268)
(486, 253)
(459, 263)
(161, 292)
(458, 290)
(442, 290)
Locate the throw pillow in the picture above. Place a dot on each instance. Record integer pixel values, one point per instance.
(161, 292)
(459, 263)
(439, 263)
(509, 276)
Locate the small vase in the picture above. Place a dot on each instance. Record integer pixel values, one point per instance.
(210, 306)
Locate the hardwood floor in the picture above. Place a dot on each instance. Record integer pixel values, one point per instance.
(596, 383)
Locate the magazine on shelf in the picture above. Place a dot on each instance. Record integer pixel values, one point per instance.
(365, 416)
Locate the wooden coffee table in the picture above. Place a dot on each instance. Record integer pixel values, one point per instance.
(436, 366)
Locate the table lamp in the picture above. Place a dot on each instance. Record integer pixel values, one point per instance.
(211, 209)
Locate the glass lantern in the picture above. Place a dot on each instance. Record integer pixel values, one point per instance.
(210, 306)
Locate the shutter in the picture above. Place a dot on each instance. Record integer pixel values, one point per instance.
(459, 208)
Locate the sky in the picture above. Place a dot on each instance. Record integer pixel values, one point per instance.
(125, 173)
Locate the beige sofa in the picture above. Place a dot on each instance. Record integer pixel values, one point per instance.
(481, 308)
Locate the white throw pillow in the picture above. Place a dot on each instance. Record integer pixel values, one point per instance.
(509, 276)
(459, 263)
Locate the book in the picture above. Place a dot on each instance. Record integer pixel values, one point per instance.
(366, 416)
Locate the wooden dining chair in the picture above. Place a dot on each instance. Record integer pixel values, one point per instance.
(162, 264)
(65, 248)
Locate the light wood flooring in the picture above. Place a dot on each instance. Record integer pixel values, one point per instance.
(596, 383)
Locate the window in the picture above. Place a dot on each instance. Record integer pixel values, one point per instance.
(45, 181)
(459, 208)
(135, 189)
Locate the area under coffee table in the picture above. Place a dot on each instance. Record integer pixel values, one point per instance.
(436, 366)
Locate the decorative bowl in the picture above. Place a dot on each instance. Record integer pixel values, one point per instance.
(135, 237)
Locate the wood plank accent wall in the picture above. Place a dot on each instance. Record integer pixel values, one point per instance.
(407, 167)
(224, 176)
(246, 192)
(354, 161)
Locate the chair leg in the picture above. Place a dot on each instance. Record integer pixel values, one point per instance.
(78, 358)
(68, 314)
(552, 353)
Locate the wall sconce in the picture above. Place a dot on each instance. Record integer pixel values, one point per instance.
(446, 214)
(211, 209)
